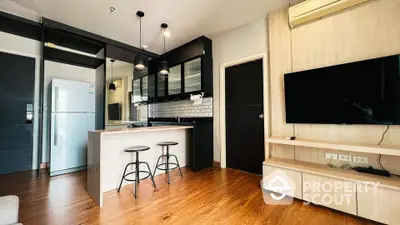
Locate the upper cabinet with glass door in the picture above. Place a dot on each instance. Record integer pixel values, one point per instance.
(192, 75)
(152, 86)
(137, 96)
(145, 88)
(160, 86)
(175, 80)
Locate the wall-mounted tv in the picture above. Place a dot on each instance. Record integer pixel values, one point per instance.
(114, 112)
(365, 92)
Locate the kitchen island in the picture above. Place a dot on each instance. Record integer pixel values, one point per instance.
(107, 159)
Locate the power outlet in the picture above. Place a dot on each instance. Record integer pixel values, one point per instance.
(346, 158)
(332, 156)
(360, 159)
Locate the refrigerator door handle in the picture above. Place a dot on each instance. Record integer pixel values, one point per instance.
(55, 131)
(55, 98)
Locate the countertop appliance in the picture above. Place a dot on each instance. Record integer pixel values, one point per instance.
(72, 107)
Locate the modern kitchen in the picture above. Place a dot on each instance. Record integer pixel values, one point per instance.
(147, 102)
(145, 108)
(199, 112)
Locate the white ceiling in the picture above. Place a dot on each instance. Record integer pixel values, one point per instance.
(187, 19)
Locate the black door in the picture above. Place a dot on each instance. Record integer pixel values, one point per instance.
(244, 117)
(17, 82)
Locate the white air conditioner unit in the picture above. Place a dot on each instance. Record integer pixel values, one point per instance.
(310, 10)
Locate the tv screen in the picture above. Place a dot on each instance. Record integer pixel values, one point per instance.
(114, 112)
(365, 92)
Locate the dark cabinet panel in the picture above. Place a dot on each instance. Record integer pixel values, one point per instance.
(202, 154)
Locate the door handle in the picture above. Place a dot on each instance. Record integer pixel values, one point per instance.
(261, 116)
(29, 113)
(55, 131)
(55, 98)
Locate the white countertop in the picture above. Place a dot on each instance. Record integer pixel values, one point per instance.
(141, 129)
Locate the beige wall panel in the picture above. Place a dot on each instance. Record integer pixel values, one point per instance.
(367, 31)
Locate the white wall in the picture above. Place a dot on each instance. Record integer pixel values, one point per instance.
(243, 42)
(63, 71)
(26, 47)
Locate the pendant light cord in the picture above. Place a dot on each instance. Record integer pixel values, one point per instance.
(112, 71)
(164, 44)
(140, 42)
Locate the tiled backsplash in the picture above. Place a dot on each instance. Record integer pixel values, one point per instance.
(184, 108)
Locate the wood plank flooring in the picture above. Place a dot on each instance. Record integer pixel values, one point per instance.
(211, 196)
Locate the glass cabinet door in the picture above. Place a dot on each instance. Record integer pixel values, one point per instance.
(145, 88)
(193, 75)
(174, 80)
(136, 91)
(160, 86)
(152, 86)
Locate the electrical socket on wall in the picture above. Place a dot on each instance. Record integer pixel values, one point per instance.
(360, 159)
(346, 158)
(332, 156)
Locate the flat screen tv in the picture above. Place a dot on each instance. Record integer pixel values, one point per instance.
(114, 112)
(365, 92)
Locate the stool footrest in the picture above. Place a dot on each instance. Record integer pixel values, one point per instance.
(134, 172)
(165, 165)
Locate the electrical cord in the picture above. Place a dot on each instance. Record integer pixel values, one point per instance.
(384, 133)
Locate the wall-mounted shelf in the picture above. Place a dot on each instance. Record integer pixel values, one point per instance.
(336, 145)
(392, 182)
(58, 55)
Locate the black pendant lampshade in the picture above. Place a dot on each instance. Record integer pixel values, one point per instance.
(140, 62)
(111, 87)
(164, 69)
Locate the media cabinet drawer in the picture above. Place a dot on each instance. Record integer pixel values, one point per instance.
(294, 176)
(379, 204)
(330, 192)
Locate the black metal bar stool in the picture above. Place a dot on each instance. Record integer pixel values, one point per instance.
(166, 165)
(136, 149)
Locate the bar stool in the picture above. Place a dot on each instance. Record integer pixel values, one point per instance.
(136, 149)
(168, 163)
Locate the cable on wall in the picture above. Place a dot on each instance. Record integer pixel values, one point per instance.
(384, 133)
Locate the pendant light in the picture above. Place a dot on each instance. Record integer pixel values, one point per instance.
(111, 87)
(139, 62)
(164, 70)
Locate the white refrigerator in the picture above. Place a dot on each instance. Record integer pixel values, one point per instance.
(72, 107)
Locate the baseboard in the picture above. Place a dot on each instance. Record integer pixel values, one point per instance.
(71, 170)
(44, 165)
(216, 164)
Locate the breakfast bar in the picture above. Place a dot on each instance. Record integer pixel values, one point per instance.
(107, 159)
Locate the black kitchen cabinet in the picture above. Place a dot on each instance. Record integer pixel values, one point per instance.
(190, 71)
(200, 154)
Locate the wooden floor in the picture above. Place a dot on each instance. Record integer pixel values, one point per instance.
(212, 196)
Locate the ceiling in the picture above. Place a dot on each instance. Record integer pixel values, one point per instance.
(187, 19)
